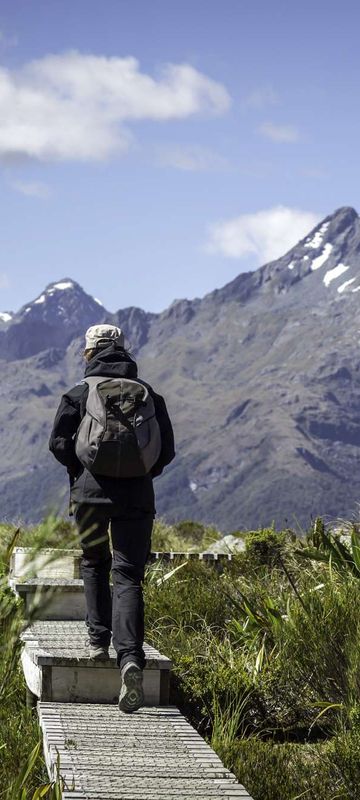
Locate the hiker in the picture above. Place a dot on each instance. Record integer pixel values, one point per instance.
(115, 487)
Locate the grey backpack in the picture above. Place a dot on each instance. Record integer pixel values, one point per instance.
(119, 435)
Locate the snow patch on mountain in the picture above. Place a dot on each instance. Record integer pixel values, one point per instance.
(334, 273)
(345, 285)
(49, 292)
(320, 260)
(61, 286)
(316, 241)
(5, 316)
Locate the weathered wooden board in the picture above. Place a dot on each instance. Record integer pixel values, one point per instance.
(51, 598)
(152, 754)
(57, 667)
(32, 585)
(46, 563)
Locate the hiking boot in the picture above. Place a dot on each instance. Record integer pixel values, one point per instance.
(98, 652)
(131, 693)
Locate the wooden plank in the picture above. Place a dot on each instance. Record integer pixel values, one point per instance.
(153, 754)
(56, 642)
(56, 606)
(32, 585)
(94, 684)
(57, 667)
(47, 563)
(84, 685)
(52, 598)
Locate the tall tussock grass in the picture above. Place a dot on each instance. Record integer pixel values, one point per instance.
(267, 660)
(22, 769)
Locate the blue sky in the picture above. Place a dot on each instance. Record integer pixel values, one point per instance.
(147, 182)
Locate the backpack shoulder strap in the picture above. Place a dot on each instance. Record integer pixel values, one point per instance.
(94, 380)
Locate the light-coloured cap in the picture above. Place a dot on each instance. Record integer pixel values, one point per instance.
(102, 335)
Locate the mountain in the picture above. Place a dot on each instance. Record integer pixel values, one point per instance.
(56, 317)
(261, 378)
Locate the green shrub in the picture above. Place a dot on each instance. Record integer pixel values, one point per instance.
(53, 532)
(183, 537)
(317, 656)
(196, 534)
(343, 758)
(264, 547)
(282, 771)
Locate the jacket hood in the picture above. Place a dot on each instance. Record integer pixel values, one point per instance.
(112, 362)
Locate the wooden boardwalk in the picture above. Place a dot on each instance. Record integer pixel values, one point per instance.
(57, 667)
(55, 563)
(152, 754)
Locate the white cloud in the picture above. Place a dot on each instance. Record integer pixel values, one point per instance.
(279, 133)
(192, 158)
(264, 235)
(75, 106)
(260, 98)
(31, 189)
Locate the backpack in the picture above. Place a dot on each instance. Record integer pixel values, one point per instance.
(119, 435)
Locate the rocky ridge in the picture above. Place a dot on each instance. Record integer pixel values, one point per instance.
(261, 378)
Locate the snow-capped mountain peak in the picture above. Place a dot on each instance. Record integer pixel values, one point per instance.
(331, 250)
(61, 286)
(51, 289)
(61, 299)
(323, 266)
(59, 314)
(329, 255)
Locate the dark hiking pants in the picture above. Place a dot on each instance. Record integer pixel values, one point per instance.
(123, 615)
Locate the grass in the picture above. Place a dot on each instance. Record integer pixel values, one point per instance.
(22, 768)
(19, 733)
(266, 654)
(267, 663)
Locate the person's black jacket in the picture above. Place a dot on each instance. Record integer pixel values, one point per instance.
(125, 493)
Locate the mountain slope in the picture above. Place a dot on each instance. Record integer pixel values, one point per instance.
(261, 379)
